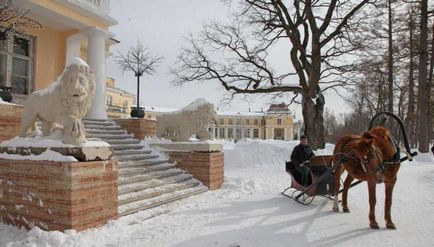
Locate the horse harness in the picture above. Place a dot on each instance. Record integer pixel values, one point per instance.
(381, 167)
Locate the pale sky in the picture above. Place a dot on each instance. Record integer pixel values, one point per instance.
(162, 25)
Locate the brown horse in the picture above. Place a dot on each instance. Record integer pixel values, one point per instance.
(369, 157)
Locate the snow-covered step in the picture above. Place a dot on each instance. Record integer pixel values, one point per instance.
(98, 122)
(109, 136)
(149, 162)
(105, 131)
(156, 191)
(132, 152)
(122, 141)
(134, 187)
(101, 127)
(118, 147)
(135, 157)
(160, 200)
(143, 170)
(146, 179)
(152, 175)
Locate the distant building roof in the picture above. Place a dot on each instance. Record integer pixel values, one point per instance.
(242, 114)
(278, 107)
(159, 109)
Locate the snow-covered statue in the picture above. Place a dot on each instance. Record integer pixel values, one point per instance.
(194, 119)
(63, 104)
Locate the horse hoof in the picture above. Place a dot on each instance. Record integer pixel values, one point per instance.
(336, 210)
(374, 226)
(346, 210)
(391, 226)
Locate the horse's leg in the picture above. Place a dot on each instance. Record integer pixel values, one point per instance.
(372, 201)
(347, 184)
(338, 172)
(388, 203)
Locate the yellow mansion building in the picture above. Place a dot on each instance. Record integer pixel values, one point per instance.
(70, 28)
(118, 101)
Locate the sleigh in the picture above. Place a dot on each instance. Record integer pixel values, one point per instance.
(321, 181)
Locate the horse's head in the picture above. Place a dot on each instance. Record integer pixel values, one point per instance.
(370, 156)
(383, 141)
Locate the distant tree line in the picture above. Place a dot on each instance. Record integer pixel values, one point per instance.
(393, 72)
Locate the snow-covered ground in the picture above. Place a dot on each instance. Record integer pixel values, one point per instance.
(249, 211)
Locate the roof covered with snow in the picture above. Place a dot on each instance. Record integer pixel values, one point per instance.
(242, 114)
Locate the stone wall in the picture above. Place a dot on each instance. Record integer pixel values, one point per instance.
(139, 127)
(208, 167)
(10, 121)
(58, 195)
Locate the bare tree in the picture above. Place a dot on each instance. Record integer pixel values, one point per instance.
(13, 20)
(236, 55)
(138, 60)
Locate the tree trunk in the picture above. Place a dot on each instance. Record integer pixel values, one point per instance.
(138, 92)
(390, 61)
(423, 85)
(314, 121)
(410, 121)
(430, 77)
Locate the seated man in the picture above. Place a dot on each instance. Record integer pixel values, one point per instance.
(300, 156)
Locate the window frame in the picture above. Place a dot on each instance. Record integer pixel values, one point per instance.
(30, 59)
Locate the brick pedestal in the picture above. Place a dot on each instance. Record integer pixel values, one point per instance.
(58, 195)
(139, 127)
(202, 160)
(10, 121)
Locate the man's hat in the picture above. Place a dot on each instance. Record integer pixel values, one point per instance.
(303, 137)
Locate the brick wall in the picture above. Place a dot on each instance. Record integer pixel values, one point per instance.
(140, 128)
(10, 121)
(58, 195)
(208, 167)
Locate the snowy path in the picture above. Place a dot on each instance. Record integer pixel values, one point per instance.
(249, 211)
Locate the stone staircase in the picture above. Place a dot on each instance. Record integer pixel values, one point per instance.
(146, 179)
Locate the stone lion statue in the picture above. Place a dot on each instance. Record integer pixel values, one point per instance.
(63, 104)
(194, 119)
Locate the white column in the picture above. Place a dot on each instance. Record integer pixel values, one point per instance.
(96, 60)
(73, 47)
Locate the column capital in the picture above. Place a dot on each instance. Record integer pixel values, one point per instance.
(96, 31)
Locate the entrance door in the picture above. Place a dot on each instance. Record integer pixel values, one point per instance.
(279, 134)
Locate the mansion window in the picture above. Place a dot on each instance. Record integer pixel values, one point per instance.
(278, 134)
(279, 121)
(222, 133)
(247, 121)
(230, 122)
(230, 133)
(238, 134)
(247, 133)
(255, 121)
(222, 121)
(255, 133)
(109, 100)
(16, 63)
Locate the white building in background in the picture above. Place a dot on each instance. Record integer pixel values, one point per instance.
(275, 123)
